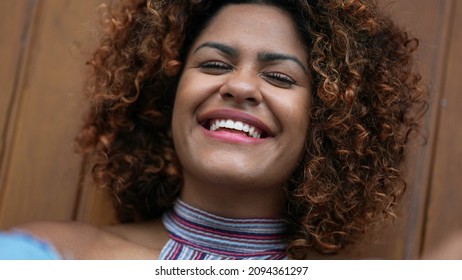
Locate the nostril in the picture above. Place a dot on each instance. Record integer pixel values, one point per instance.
(252, 100)
(227, 95)
(241, 98)
(241, 91)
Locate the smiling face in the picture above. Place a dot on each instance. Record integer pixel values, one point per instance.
(241, 111)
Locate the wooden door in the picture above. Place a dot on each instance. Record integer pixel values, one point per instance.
(43, 45)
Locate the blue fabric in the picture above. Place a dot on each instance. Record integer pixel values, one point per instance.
(22, 246)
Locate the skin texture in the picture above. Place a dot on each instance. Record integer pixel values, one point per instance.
(75, 240)
(222, 174)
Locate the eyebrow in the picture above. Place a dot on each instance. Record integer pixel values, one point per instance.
(228, 50)
(265, 56)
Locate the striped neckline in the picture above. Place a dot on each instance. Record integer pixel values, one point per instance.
(196, 234)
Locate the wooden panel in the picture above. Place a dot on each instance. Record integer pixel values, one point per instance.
(15, 18)
(40, 174)
(94, 205)
(428, 20)
(445, 207)
(15, 24)
(431, 23)
(42, 177)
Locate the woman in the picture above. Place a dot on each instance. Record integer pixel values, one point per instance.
(244, 129)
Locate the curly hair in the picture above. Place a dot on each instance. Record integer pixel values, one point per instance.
(366, 105)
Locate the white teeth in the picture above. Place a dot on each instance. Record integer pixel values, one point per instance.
(236, 125)
(251, 130)
(229, 124)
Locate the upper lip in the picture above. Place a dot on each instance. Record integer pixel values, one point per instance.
(235, 116)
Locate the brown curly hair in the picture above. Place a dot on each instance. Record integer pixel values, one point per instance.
(366, 103)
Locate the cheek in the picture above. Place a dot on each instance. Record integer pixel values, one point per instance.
(181, 94)
(295, 117)
(295, 112)
(194, 88)
(179, 109)
(303, 109)
(186, 99)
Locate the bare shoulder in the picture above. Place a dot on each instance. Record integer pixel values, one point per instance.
(75, 240)
(150, 234)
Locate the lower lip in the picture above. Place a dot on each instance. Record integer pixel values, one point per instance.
(231, 137)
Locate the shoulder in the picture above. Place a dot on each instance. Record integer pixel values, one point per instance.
(75, 240)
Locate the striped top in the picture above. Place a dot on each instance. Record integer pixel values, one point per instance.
(198, 235)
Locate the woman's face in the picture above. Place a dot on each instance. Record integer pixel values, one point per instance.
(241, 112)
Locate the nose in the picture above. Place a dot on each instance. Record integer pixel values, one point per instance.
(242, 87)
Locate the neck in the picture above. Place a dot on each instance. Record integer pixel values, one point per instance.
(234, 201)
(196, 234)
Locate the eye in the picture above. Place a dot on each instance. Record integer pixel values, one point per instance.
(278, 79)
(215, 67)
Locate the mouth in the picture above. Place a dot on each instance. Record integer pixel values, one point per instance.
(235, 126)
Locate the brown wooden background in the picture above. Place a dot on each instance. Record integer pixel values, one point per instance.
(42, 50)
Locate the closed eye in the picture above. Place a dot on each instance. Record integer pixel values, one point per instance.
(278, 79)
(215, 67)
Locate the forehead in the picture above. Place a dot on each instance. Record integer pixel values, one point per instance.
(254, 26)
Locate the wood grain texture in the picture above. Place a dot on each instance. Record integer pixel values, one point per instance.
(40, 112)
(16, 18)
(444, 212)
(428, 21)
(431, 23)
(94, 204)
(42, 175)
(15, 23)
